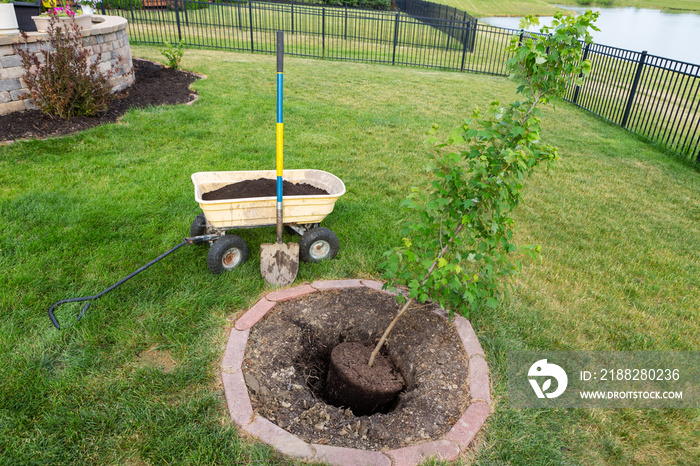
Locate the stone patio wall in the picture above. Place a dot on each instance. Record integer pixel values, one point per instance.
(108, 39)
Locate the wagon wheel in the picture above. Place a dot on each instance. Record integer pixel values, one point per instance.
(227, 253)
(199, 226)
(318, 244)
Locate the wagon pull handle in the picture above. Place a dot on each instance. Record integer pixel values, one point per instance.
(89, 299)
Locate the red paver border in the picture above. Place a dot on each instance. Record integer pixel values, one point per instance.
(448, 448)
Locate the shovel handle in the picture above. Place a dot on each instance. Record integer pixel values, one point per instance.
(280, 130)
(280, 51)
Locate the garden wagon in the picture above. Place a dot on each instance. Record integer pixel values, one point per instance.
(299, 214)
(302, 215)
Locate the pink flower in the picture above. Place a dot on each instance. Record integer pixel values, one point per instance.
(60, 11)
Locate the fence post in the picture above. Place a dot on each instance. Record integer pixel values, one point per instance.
(184, 10)
(323, 33)
(250, 17)
(346, 22)
(474, 27)
(396, 37)
(633, 91)
(585, 56)
(451, 29)
(464, 30)
(177, 21)
(467, 33)
(292, 16)
(131, 10)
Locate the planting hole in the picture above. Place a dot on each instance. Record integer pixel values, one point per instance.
(337, 373)
(287, 361)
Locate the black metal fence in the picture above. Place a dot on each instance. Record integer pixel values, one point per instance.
(434, 14)
(316, 31)
(655, 97)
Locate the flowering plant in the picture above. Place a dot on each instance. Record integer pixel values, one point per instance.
(91, 3)
(54, 8)
(61, 12)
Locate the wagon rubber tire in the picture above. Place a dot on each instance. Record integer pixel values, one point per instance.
(199, 226)
(318, 244)
(227, 253)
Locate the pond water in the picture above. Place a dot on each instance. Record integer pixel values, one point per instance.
(669, 35)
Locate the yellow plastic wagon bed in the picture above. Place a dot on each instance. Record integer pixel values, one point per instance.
(302, 214)
(260, 211)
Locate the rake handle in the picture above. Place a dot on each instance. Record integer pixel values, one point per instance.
(90, 299)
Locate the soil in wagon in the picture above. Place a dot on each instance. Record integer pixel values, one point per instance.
(287, 359)
(262, 187)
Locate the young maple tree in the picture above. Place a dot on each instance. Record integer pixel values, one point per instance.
(458, 246)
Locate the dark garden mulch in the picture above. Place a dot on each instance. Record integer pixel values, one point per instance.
(155, 85)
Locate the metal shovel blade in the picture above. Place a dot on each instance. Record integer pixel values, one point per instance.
(279, 263)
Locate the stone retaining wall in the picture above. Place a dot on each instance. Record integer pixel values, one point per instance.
(108, 39)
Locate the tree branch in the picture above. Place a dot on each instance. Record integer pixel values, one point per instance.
(405, 307)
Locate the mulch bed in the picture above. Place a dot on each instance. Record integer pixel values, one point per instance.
(155, 85)
(286, 363)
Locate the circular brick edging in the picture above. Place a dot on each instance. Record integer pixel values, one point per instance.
(448, 448)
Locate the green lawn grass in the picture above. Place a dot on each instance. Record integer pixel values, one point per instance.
(136, 382)
(663, 104)
(678, 6)
(482, 8)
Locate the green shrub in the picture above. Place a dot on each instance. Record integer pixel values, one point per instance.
(365, 4)
(174, 54)
(375, 4)
(61, 78)
(189, 5)
(123, 4)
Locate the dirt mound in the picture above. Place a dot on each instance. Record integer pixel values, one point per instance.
(262, 187)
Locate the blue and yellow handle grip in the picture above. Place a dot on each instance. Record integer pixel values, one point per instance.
(280, 129)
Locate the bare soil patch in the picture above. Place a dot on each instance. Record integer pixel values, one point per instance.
(287, 358)
(153, 357)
